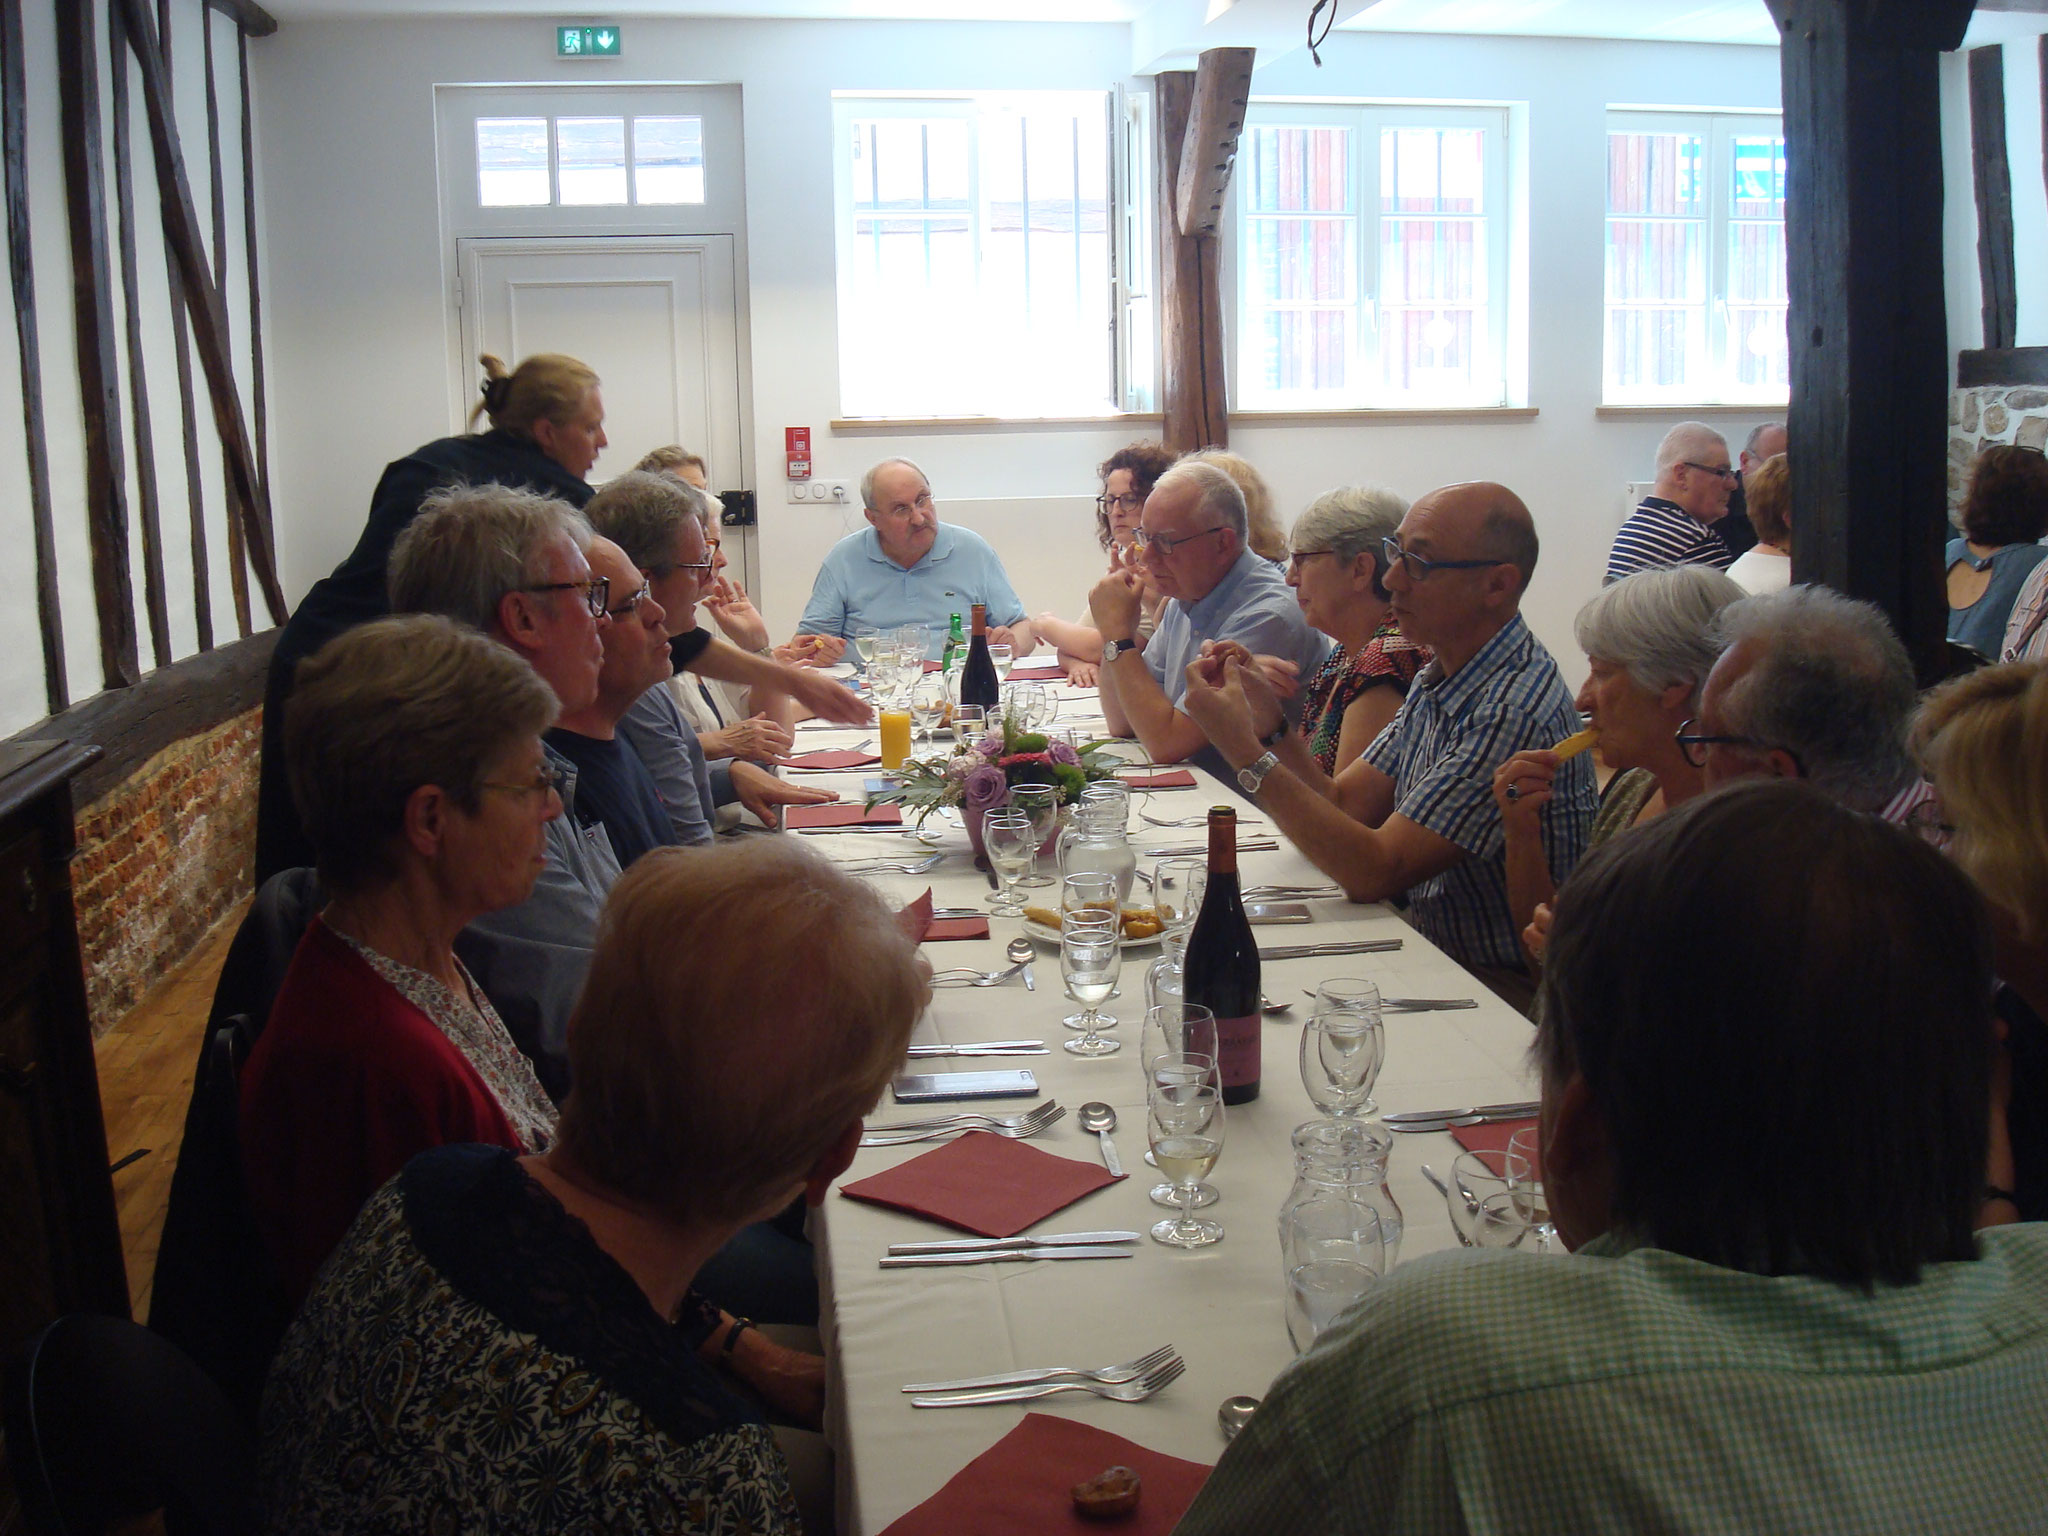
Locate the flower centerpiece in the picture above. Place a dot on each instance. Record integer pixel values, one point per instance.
(980, 773)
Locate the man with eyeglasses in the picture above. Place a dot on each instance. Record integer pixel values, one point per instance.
(1674, 524)
(1415, 812)
(907, 567)
(1191, 545)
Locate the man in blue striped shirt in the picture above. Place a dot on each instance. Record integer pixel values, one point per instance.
(1674, 525)
(1416, 813)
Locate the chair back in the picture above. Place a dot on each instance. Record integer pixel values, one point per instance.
(106, 1422)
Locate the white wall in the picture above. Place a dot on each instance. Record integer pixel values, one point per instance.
(359, 319)
(2019, 36)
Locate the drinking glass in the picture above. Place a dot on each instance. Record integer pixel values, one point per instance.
(928, 705)
(1041, 802)
(1091, 959)
(912, 641)
(1007, 838)
(1177, 1029)
(1333, 1252)
(1482, 1203)
(865, 639)
(1347, 993)
(892, 718)
(1341, 1052)
(1184, 1125)
(1525, 1181)
(1021, 706)
(1178, 886)
(1092, 890)
(1005, 657)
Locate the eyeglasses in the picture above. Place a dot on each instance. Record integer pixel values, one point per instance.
(547, 780)
(596, 591)
(1718, 471)
(1130, 501)
(1295, 558)
(1416, 568)
(1694, 746)
(656, 572)
(631, 605)
(1167, 545)
(904, 509)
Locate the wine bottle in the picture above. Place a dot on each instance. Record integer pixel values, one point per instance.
(953, 648)
(979, 684)
(1222, 964)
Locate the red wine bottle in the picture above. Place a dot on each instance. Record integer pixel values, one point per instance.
(979, 685)
(1222, 964)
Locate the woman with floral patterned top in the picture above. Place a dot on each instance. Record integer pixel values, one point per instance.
(1334, 565)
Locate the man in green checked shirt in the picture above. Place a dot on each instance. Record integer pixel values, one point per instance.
(1765, 1048)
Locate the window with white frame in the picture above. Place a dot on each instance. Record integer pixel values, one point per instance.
(577, 160)
(1695, 258)
(975, 247)
(1372, 257)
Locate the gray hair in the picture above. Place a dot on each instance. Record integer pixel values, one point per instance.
(1658, 626)
(1756, 435)
(867, 481)
(472, 544)
(1687, 441)
(1350, 521)
(1217, 497)
(1832, 685)
(640, 511)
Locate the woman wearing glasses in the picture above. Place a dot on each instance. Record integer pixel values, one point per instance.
(415, 758)
(1649, 646)
(1128, 476)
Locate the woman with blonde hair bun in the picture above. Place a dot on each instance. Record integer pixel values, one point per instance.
(1262, 531)
(546, 430)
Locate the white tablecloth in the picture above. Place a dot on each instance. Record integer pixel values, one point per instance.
(1221, 1306)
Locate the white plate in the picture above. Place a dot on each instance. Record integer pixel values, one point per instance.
(1051, 936)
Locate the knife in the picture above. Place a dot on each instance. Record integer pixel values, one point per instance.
(1049, 1240)
(1521, 1109)
(1001, 1256)
(1344, 947)
(993, 1048)
(1189, 850)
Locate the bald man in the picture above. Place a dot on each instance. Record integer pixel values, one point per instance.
(1415, 813)
(1675, 524)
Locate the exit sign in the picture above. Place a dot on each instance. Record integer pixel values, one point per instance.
(586, 42)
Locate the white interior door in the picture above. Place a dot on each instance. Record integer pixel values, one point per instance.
(654, 315)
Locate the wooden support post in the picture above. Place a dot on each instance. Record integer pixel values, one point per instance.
(209, 314)
(1223, 87)
(21, 272)
(238, 561)
(1993, 179)
(99, 381)
(153, 598)
(258, 396)
(1868, 325)
(188, 415)
(1193, 385)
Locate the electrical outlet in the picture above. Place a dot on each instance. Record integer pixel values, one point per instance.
(832, 492)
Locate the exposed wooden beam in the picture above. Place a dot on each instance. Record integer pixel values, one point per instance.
(1993, 178)
(238, 562)
(209, 315)
(1223, 85)
(21, 272)
(1868, 329)
(99, 382)
(1192, 388)
(258, 395)
(2019, 365)
(188, 416)
(153, 599)
(253, 20)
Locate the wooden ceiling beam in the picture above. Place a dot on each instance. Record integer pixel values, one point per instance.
(248, 15)
(1208, 149)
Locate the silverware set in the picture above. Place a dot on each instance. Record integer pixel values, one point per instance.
(982, 1048)
(997, 1250)
(1191, 821)
(1334, 947)
(1423, 1120)
(1186, 850)
(967, 976)
(887, 866)
(1018, 1127)
(1293, 892)
(1131, 1382)
(1409, 1005)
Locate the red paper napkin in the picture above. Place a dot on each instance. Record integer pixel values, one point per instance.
(1042, 673)
(1492, 1138)
(920, 927)
(1172, 778)
(989, 1185)
(1023, 1485)
(842, 816)
(830, 757)
(933, 666)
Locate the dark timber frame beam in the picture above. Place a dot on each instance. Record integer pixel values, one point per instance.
(1993, 178)
(188, 416)
(1868, 323)
(250, 17)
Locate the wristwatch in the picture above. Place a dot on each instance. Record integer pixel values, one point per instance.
(1279, 734)
(1253, 774)
(1111, 649)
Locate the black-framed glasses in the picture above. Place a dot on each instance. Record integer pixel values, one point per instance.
(656, 572)
(1166, 544)
(1129, 501)
(1694, 746)
(1417, 568)
(596, 591)
(1718, 471)
(1295, 557)
(547, 780)
(631, 605)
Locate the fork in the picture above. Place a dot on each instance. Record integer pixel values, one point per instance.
(1148, 1385)
(1130, 1370)
(929, 1121)
(1191, 821)
(967, 976)
(886, 866)
(895, 1136)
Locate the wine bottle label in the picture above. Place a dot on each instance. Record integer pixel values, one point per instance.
(1237, 1043)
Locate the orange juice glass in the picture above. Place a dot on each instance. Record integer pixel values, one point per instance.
(895, 737)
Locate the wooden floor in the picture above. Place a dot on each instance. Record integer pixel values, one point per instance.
(146, 1063)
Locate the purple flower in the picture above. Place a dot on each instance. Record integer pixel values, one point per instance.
(990, 747)
(1060, 752)
(986, 785)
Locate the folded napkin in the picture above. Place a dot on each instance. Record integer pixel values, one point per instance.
(1022, 1485)
(989, 1185)
(1172, 778)
(830, 757)
(842, 816)
(1042, 672)
(920, 927)
(933, 666)
(1492, 1138)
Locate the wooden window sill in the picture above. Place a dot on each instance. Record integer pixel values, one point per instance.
(1624, 412)
(1449, 413)
(872, 425)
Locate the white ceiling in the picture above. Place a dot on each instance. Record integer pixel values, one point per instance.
(1666, 21)
(625, 10)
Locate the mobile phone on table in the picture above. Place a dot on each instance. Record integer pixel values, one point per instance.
(949, 1087)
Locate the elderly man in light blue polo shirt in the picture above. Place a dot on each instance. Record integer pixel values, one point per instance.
(1191, 539)
(907, 567)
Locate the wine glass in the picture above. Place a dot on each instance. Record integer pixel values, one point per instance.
(1041, 802)
(1184, 1124)
(1178, 886)
(1091, 959)
(1341, 1053)
(913, 642)
(865, 639)
(1482, 1203)
(1005, 657)
(1177, 1029)
(928, 705)
(1007, 838)
(1333, 1250)
(1092, 890)
(1525, 1181)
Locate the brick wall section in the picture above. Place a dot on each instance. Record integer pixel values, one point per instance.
(160, 859)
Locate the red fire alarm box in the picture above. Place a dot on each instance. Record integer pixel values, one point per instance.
(796, 449)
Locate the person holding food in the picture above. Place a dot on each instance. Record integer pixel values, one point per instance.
(1649, 643)
(1128, 476)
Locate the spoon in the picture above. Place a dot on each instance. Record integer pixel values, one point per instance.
(1235, 1413)
(1267, 1005)
(1098, 1117)
(1021, 951)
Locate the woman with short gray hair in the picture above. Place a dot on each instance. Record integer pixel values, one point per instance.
(1335, 566)
(1650, 642)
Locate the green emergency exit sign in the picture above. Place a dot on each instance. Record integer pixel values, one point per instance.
(586, 42)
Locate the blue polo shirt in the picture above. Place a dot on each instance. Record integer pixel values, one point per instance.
(860, 587)
(1252, 605)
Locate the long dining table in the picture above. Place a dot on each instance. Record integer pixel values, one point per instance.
(1221, 1307)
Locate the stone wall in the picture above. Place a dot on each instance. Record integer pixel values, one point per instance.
(160, 859)
(1989, 414)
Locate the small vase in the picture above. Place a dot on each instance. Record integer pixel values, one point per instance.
(972, 809)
